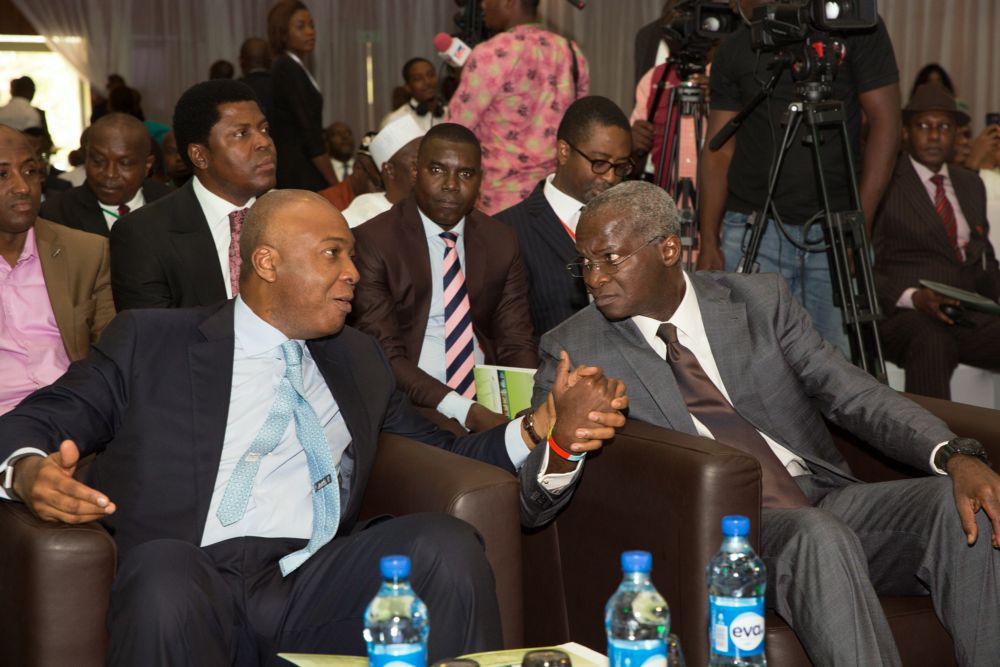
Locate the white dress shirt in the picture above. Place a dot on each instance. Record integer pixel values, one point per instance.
(111, 212)
(691, 334)
(425, 122)
(216, 211)
(961, 224)
(19, 114)
(566, 208)
(432, 352)
(342, 168)
(280, 502)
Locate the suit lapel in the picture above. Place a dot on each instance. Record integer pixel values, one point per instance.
(413, 253)
(194, 245)
(549, 227)
(211, 362)
(925, 215)
(476, 257)
(52, 256)
(653, 372)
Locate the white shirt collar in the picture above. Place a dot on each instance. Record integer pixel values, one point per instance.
(925, 174)
(136, 202)
(213, 206)
(687, 317)
(433, 230)
(567, 208)
(254, 335)
(304, 69)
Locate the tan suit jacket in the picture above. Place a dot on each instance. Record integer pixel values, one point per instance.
(78, 279)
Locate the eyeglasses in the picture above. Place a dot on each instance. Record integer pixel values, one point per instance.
(608, 267)
(599, 167)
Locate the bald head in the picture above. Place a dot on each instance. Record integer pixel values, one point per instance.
(255, 54)
(297, 269)
(119, 156)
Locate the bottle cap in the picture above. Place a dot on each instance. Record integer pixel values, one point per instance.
(637, 561)
(735, 525)
(395, 567)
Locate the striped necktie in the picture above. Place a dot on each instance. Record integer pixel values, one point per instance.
(946, 213)
(459, 340)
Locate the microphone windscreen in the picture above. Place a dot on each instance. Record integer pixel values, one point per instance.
(441, 42)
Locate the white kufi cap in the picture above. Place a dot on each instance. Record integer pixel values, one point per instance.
(393, 137)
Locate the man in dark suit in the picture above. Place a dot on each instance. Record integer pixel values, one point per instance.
(932, 226)
(736, 358)
(118, 159)
(436, 318)
(175, 403)
(593, 145)
(42, 142)
(255, 63)
(183, 250)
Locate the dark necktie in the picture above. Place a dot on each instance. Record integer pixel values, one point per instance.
(123, 209)
(709, 406)
(946, 213)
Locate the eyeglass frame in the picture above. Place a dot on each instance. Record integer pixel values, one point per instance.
(585, 266)
(611, 165)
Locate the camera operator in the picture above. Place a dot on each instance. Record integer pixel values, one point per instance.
(734, 179)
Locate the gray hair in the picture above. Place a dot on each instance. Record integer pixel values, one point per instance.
(649, 210)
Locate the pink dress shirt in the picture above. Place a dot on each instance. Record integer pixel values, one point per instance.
(515, 88)
(32, 353)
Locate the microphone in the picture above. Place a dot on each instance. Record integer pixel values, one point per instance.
(579, 4)
(452, 49)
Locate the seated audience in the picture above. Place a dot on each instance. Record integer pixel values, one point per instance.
(340, 147)
(52, 181)
(442, 285)
(394, 151)
(228, 552)
(425, 105)
(982, 154)
(255, 63)
(118, 159)
(177, 169)
(734, 357)
(932, 225)
(18, 112)
(221, 69)
(515, 88)
(593, 145)
(183, 249)
(54, 281)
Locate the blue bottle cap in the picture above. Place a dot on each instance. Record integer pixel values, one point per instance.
(637, 561)
(735, 525)
(395, 567)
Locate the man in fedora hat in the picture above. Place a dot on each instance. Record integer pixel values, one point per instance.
(932, 226)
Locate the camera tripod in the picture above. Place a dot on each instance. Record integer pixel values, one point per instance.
(845, 240)
(687, 100)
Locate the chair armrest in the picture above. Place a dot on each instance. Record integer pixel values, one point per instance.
(664, 492)
(968, 421)
(409, 477)
(56, 580)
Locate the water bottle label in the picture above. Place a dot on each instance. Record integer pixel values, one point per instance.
(736, 626)
(398, 655)
(642, 653)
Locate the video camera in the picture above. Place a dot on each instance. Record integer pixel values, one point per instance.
(778, 24)
(692, 28)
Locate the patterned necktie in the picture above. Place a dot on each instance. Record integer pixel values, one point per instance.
(289, 402)
(235, 227)
(459, 340)
(946, 213)
(709, 406)
(123, 209)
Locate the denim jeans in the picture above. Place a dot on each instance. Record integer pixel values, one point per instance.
(807, 273)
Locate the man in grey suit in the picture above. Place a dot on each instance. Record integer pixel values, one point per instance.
(735, 357)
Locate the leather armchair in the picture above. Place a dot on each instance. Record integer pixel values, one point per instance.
(56, 578)
(665, 492)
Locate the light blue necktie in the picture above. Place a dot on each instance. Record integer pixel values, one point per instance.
(290, 401)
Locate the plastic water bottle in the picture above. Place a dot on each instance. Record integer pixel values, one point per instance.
(636, 617)
(736, 582)
(396, 625)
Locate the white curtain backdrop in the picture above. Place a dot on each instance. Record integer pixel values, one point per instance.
(163, 46)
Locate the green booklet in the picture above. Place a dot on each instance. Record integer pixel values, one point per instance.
(504, 389)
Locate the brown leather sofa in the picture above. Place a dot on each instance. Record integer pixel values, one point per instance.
(665, 492)
(55, 579)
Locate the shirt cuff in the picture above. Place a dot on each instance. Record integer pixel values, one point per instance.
(24, 451)
(556, 483)
(934, 455)
(905, 299)
(455, 406)
(516, 449)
